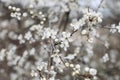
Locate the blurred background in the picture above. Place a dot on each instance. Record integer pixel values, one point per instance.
(17, 16)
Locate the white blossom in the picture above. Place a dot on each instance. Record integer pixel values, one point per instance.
(2, 54)
(56, 59)
(105, 58)
(113, 28)
(87, 79)
(71, 56)
(118, 27)
(78, 24)
(28, 35)
(87, 69)
(77, 66)
(21, 39)
(93, 71)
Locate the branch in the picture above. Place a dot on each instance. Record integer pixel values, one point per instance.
(99, 5)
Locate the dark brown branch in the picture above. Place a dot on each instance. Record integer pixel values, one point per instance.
(50, 59)
(63, 21)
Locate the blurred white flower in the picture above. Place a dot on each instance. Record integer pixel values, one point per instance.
(21, 40)
(78, 24)
(91, 17)
(28, 35)
(87, 69)
(93, 71)
(56, 59)
(118, 27)
(2, 54)
(71, 56)
(87, 79)
(105, 58)
(113, 28)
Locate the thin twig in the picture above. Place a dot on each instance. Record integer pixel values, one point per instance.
(66, 20)
(63, 16)
(49, 59)
(62, 60)
(73, 32)
(61, 19)
(99, 5)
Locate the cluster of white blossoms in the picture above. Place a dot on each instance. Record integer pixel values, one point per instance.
(115, 28)
(65, 39)
(90, 17)
(78, 70)
(17, 13)
(20, 14)
(41, 71)
(56, 59)
(9, 54)
(46, 33)
(78, 24)
(27, 37)
(75, 67)
(36, 28)
(91, 71)
(34, 45)
(30, 36)
(49, 33)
